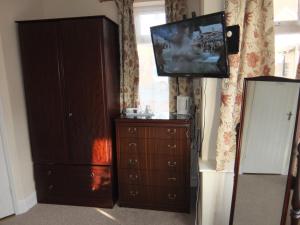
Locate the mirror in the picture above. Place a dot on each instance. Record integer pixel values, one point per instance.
(264, 151)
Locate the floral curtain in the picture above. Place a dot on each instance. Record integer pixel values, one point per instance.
(175, 9)
(129, 55)
(256, 58)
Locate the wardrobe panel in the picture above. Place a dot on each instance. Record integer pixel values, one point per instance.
(45, 110)
(84, 87)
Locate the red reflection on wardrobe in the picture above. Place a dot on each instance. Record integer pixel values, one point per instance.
(101, 155)
(101, 178)
(101, 152)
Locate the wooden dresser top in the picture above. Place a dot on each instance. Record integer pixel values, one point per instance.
(170, 118)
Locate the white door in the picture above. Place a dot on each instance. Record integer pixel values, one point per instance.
(6, 201)
(270, 117)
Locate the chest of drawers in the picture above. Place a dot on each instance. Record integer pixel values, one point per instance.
(153, 158)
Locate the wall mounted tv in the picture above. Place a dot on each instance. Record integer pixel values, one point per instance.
(192, 47)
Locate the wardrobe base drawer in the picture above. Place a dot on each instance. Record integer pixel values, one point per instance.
(74, 185)
(152, 178)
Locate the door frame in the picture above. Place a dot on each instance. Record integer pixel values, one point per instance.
(4, 145)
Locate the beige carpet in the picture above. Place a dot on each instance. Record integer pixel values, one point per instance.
(44, 214)
(259, 199)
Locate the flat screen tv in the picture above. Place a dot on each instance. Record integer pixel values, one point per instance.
(192, 47)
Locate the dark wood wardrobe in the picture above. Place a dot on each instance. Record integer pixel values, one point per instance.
(71, 81)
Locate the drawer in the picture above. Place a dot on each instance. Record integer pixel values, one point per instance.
(133, 177)
(133, 194)
(72, 181)
(152, 178)
(132, 162)
(131, 131)
(142, 146)
(153, 162)
(161, 198)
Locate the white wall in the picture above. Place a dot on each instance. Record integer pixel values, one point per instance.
(211, 115)
(74, 8)
(14, 121)
(216, 203)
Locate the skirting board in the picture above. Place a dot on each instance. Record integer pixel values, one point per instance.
(24, 205)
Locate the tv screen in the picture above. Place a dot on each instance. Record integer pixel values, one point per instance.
(192, 47)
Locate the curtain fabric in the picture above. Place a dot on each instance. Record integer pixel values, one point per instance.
(175, 9)
(256, 58)
(129, 56)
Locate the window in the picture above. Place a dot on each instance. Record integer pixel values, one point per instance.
(287, 37)
(153, 90)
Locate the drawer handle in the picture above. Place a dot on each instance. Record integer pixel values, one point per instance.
(132, 130)
(172, 164)
(133, 193)
(172, 147)
(132, 145)
(49, 172)
(50, 187)
(133, 177)
(92, 174)
(174, 179)
(171, 131)
(172, 196)
(132, 161)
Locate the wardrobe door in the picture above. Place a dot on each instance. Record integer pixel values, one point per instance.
(83, 80)
(39, 52)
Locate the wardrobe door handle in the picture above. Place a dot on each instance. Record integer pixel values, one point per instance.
(70, 114)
